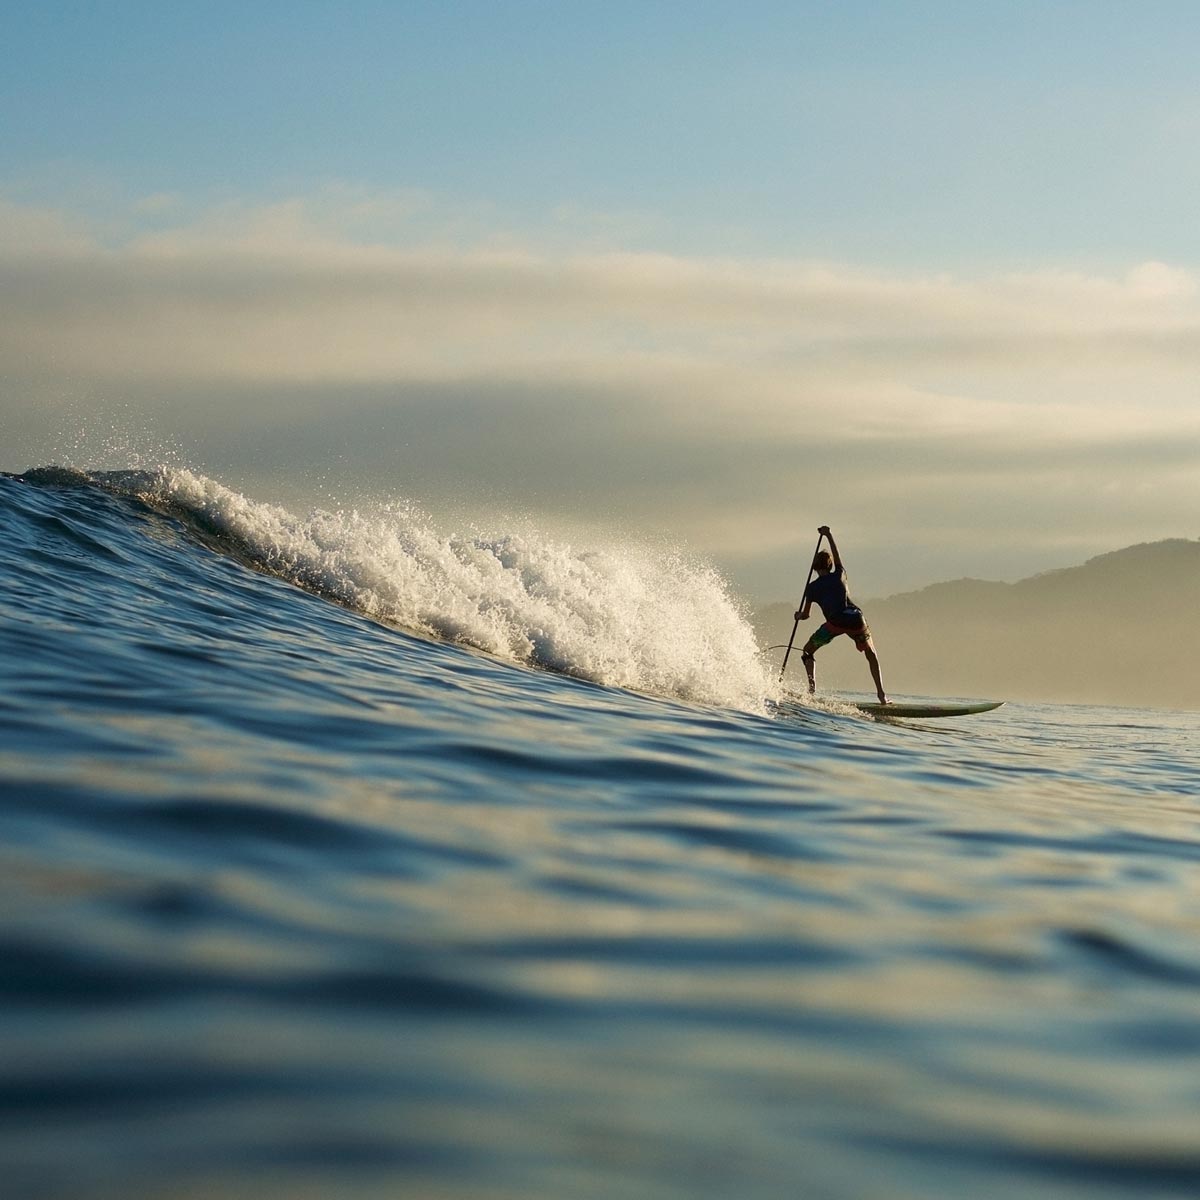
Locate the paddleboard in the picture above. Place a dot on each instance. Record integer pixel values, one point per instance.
(928, 710)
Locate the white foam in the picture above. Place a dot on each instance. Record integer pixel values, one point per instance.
(627, 615)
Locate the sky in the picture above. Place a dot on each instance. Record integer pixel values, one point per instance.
(712, 274)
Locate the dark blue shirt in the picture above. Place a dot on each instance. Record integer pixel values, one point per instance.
(828, 592)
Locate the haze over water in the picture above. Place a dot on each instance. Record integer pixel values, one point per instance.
(300, 901)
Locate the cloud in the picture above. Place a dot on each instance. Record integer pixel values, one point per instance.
(280, 292)
(26, 232)
(706, 394)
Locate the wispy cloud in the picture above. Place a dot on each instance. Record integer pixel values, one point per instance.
(310, 267)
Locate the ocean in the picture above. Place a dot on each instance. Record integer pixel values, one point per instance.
(343, 857)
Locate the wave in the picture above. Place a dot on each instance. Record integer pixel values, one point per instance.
(624, 614)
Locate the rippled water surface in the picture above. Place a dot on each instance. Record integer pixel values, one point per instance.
(341, 859)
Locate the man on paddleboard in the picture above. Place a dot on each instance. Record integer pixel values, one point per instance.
(842, 615)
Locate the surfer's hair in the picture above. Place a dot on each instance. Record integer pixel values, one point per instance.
(823, 560)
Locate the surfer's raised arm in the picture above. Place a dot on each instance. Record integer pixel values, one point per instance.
(837, 558)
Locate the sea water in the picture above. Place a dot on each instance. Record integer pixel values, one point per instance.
(343, 857)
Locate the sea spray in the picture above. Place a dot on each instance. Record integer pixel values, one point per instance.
(626, 615)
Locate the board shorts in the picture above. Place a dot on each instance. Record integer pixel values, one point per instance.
(823, 636)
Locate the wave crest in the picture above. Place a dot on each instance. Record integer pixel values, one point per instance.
(625, 615)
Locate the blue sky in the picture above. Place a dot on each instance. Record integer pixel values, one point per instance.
(688, 266)
(910, 133)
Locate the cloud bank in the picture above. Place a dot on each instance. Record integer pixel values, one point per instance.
(944, 425)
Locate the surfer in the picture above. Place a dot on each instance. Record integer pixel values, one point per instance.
(842, 615)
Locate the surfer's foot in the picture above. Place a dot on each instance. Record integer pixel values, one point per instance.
(883, 699)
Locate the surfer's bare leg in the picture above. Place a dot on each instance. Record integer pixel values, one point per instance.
(809, 662)
(873, 663)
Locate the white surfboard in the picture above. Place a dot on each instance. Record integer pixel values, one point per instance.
(927, 710)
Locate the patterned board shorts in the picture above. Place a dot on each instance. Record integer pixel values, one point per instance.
(827, 632)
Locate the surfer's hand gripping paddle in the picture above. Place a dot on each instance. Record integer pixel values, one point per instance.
(796, 625)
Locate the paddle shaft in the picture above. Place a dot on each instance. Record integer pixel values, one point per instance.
(796, 623)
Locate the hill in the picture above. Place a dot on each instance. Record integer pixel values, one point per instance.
(1121, 629)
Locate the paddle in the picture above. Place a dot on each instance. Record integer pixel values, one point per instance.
(796, 624)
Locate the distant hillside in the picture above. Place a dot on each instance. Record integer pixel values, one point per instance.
(1122, 629)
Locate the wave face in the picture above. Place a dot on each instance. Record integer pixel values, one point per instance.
(339, 857)
(626, 616)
